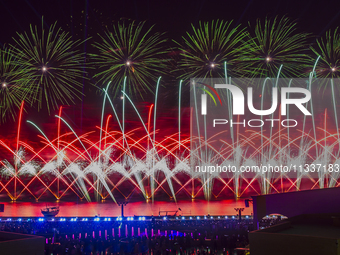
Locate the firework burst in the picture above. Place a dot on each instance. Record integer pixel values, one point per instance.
(130, 52)
(276, 43)
(52, 65)
(208, 46)
(12, 90)
(328, 48)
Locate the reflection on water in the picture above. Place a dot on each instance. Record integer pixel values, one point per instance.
(110, 209)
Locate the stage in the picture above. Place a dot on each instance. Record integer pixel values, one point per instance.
(110, 209)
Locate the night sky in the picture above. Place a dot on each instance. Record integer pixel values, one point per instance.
(173, 17)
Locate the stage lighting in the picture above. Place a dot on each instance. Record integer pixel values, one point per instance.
(190, 218)
(205, 217)
(183, 218)
(164, 218)
(247, 216)
(211, 217)
(219, 217)
(9, 219)
(198, 217)
(19, 219)
(233, 217)
(226, 217)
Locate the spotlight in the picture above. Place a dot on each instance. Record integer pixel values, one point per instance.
(233, 217)
(4, 84)
(128, 63)
(205, 217)
(226, 217)
(19, 219)
(198, 217)
(247, 216)
(164, 218)
(183, 218)
(219, 217)
(212, 65)
(44, 68)
(190, 218)
(268, 59)
(211, 217)
(333, 69)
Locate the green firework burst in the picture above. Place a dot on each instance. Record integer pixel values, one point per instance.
(52, 65)
(205, 49)
(276, 43)
(12, 85)
(329, 50)
(130, 52)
